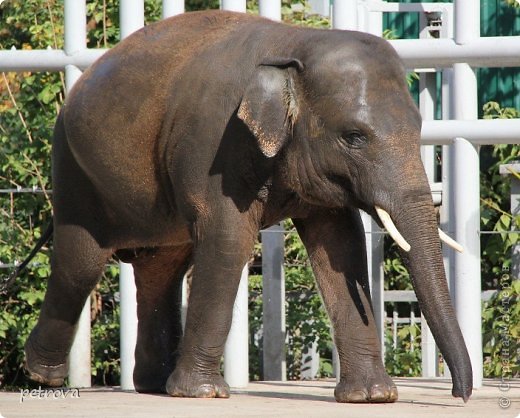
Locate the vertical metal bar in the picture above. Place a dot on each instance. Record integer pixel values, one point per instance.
(373, 234)
(466, 179)
(374, 247)
(184, 302)
(515, 212)
(75, 40)
(335, 363)
(512, 170)
(172, 8)
(272, 9)
(75, 13)
(412, 324)
(321, 7)
(378, 281)
(128, 325)
(427, 93)
(79, 356)
(233, 5)
(374, 21)
(447, 210)
(131, 14)
(273, 296)
(448, 193)
(236, 350)
(344, 14)
(395, 318)
(427, 101)
(236, 371)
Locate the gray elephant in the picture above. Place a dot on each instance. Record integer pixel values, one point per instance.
(182, 142)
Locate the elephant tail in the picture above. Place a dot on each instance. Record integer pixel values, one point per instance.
(21, 267)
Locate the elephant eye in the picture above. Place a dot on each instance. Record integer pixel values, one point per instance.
(354, 139)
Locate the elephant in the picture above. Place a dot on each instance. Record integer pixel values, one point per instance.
(179, 144)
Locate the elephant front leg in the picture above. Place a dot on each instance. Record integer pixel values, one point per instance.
(336, 246)
(219, 258)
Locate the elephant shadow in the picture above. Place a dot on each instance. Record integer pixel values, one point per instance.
(246, 172)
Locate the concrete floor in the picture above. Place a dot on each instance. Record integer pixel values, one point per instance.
(417, 398)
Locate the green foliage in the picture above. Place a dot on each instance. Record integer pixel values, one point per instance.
(105, 330)
(298, 13)
(512, 3)
(495, 202)
(255, 325)
(192, 5)
(102, 23)
(405, 358)
(28, 106)
(306, 319)
(501, 325)
(501, 314)
(295, 12)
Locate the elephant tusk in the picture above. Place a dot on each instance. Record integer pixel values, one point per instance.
(391, 228)
(450, 241)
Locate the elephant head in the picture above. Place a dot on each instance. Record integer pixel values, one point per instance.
(337, 111)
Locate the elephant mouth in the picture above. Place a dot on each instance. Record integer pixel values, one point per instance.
(386, 220)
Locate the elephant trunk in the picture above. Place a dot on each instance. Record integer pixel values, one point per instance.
(417, 223)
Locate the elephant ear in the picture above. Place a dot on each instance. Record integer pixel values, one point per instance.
(269, 106)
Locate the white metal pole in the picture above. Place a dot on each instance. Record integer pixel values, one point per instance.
(272, 9)
(236, 350)
(237, 371)
(172, 8)
(273, 295)
(373, 234)
(427, 101)
(79, 356)
(75, 41)
(344, 14)
(128, 326)
(466, 179)
(131, 14)
(374, 246)
(184, 302)
(448, 193)
(233, 5)
(75, 13)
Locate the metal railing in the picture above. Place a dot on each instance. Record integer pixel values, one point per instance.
(459, 137)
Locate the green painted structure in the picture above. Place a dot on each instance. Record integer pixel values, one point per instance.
(496, 19)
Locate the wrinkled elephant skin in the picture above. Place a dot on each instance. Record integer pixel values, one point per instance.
(178, 145)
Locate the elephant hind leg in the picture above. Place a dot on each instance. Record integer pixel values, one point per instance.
(77, 264)
(158, 276)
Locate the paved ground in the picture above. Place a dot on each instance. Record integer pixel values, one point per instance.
(417, 398)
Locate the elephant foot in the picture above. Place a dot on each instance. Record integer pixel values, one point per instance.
(193, 385)
(147, 383)
(40, 370)
(357, 389)
(149, 387)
